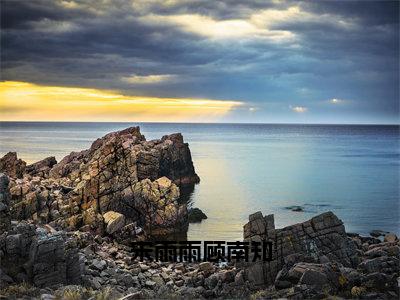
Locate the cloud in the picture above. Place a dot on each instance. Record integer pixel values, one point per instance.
(299, 109)
(148, 79)
(264, 52)
(53, 27)
(220, 29)
(336, 101)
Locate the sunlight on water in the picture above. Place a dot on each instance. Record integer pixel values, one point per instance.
(351, 170)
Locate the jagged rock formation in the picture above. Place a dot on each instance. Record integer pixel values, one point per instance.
(323, 238)
(41, 168)
(317, 258)
(32, 254)
(12, 166)
(121, 172)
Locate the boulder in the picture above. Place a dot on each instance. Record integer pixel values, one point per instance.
(115, 221)
(41, 168)
(12, 166)
(196, 215)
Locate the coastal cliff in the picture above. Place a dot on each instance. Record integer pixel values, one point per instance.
(122, 185)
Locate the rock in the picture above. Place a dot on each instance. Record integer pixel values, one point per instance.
(378, 233)
(99, 264)
(358, 292)
(312, 277)
(206, 266)
(295, 208)
(41, 168)
(239, 278)
(115, 221)
(12, 166)
(211, 281)
(5, 216)
(150, 284)
(195, 215)
(179, 282)
(5, 279)
(323, 235)
(144, 267)
(390, 238)
(41, 257)
(95, 282)
(47, 297)
(121, 172)
(227, 276)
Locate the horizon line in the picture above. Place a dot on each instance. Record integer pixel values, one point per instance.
(209, 123)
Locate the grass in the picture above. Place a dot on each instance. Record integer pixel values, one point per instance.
(19, 290)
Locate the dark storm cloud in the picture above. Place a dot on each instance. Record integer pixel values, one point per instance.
(340, 49)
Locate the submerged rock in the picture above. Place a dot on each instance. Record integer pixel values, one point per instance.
(196, 215)
(378, 233)
(295, 208)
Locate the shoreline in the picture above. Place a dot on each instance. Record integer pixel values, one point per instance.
(66, 231)
(108, 270)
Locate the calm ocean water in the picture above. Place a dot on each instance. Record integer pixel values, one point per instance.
(351, 170)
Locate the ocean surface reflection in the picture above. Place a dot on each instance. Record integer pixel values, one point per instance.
(351, 170)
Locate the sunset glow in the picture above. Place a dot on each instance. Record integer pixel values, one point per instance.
(29, 102)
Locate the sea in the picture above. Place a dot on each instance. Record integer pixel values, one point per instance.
(352, 170)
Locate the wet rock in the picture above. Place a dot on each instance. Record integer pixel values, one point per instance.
(295, 208)
(378, 233)
(196, 215)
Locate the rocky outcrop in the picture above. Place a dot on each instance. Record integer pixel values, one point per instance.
(110, 270)
(39, 256)
(323, 238)
(120, 173)
(131, 156)
(12, 166)
(314, 259)
(5, 216)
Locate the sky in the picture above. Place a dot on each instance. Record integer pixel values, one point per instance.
(200, 61)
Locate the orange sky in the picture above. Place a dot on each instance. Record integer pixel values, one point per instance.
(22, 101)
